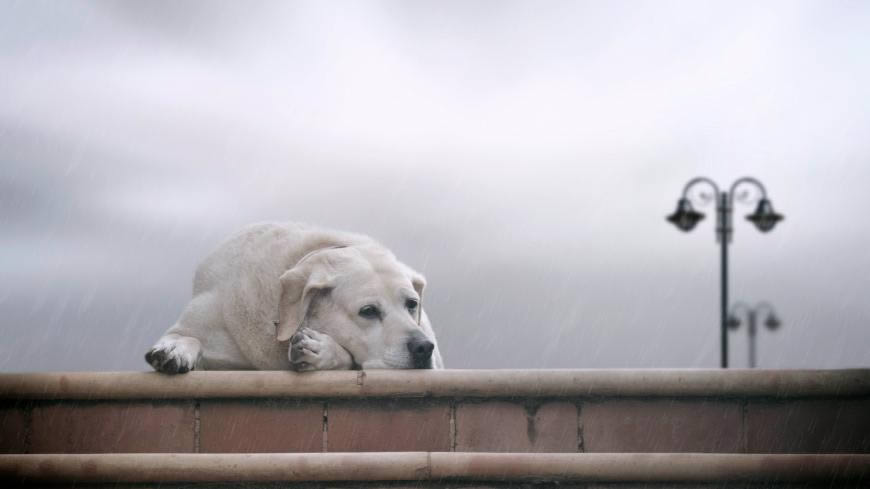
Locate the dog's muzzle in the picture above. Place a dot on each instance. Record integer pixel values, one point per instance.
(421, 351)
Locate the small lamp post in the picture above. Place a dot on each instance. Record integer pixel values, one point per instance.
(772, 322)
(686, 218)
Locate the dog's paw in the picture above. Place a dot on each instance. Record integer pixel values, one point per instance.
(170, 357)
(312, 350)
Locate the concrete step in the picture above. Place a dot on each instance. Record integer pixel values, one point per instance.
(438, 469)
(568, 411)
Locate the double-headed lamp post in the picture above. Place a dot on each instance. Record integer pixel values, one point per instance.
(686, 217)
(772, 322)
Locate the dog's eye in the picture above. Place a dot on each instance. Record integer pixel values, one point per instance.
(411, 304)
(370, 312)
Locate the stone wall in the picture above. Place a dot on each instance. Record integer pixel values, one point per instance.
(473, 411)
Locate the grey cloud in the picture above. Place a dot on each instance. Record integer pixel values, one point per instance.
(522, 156)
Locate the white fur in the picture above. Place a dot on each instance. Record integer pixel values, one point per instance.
(317, 279)
(318, 351)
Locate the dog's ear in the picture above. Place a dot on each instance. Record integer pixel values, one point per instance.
(313, 274)
(418, 281)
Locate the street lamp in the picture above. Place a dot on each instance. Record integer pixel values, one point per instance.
(686, 218)
(772, 322)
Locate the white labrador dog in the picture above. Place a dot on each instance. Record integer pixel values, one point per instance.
(342, 300)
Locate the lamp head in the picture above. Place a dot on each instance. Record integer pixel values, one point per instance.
(685, 217)
(764, 217)
(772, 322)
(733, 322)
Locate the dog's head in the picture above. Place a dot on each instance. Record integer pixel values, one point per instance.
(365, 299)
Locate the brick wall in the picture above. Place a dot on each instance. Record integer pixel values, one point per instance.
(723, 421)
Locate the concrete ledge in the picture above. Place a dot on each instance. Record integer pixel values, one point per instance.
(423, 466)
(448, 383)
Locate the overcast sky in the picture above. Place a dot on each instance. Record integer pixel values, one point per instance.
(522, 155)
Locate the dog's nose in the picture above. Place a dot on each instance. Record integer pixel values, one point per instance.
(421, 349)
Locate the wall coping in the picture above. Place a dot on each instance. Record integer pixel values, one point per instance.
(432, 466)
(443, 383)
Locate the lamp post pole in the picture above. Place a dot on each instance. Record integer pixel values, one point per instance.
(686, 217)
(751, 332)
(724, 235)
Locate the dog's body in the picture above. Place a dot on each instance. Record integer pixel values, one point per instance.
(342, 300)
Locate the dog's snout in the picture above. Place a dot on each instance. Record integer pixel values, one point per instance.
(421, 351)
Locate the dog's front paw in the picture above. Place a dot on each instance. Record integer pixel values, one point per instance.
(312, 350)
(173, 355)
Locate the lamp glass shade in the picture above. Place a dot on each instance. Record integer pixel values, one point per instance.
(764, 217)
(685, 217)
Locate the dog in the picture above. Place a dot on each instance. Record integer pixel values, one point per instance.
(279, 296)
